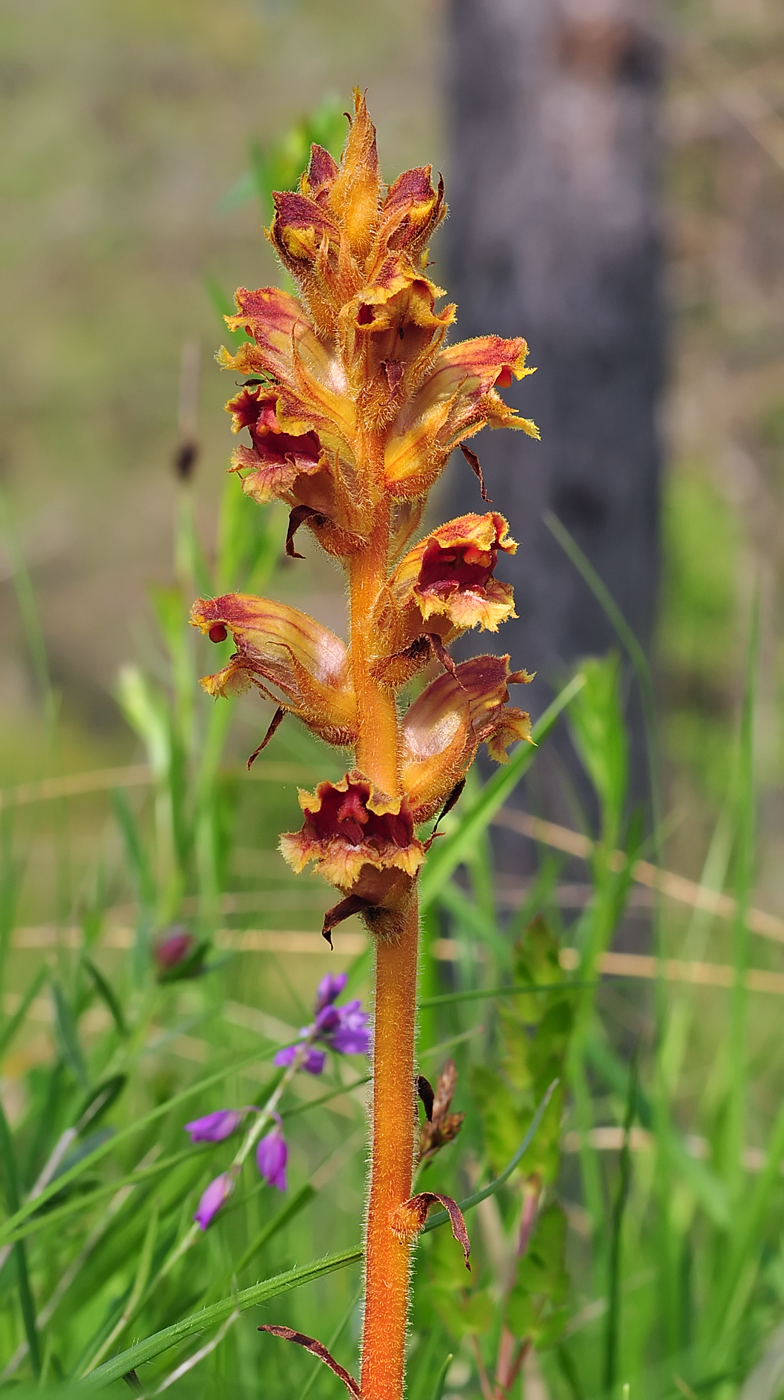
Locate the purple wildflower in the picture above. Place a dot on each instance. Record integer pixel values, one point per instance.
(345, 1029)
(214, 1127)
(271, 1157)
(213, 1198)
(313, 1060)
(329, 989)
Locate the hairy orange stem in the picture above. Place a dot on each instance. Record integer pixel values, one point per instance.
(377, 742)
(387, 1257)
(392, 1153)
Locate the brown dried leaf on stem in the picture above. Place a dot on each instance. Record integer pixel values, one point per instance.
(409, 1218)
(318, 1349)
(442, 1126)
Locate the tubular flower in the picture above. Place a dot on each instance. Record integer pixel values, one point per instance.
(272, 1154)
(214, 1127)
(277, 458)
(212, 1198)
(456, 400)
(444, 727)
(280, 646)
(361, 840)
(291, 464)
(441, 587)
(353, 401)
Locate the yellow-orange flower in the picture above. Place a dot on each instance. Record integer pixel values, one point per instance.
(281, 646)
(361, 840)
(444, 727)
(442, 587)
(457, 398)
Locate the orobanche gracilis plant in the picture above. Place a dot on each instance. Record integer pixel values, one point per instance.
(353, 402)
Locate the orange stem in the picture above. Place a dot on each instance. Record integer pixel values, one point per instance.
(391, 1171)
(387, 1257)
(377, 743)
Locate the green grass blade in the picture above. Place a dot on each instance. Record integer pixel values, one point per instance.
(67, 1037)
(604, 597)
(10, 1226)
(107, 994)
(438, 1389)
(77, 1204)
(26, 1303)
(441, 1217)
(212, 1316)
(614, 1282)
(734, 1134)
(292, 1208)
(14, 1022)
(139, 1284)
(485, 993)
(449, 851)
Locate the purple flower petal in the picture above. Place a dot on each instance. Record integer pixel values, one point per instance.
(213, 1198)
(351, 1041)
(314, 1060)
(329, 989)
(348, 1030)
(328, 1019)
(214, 1127)
(271, 1157)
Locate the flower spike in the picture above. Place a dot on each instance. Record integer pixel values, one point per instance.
(354, 397)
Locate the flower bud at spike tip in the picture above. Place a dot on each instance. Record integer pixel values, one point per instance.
(173, 947)
(355, 396)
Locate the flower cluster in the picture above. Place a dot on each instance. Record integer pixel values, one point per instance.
(352, 403)
(344, 1029)
(271, 1156)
